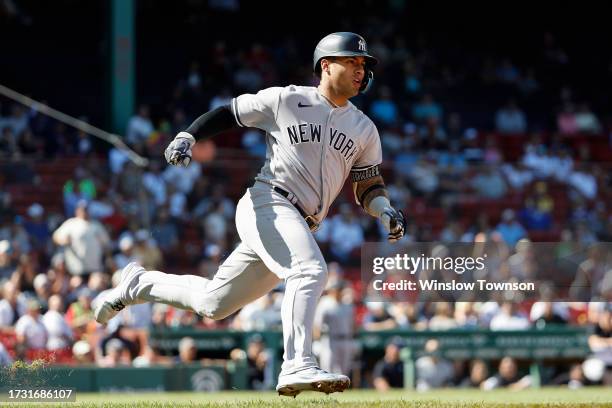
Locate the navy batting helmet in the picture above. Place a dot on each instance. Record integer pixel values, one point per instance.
(345, 44)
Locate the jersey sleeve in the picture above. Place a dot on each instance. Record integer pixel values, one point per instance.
(257, 110)
(371, 153)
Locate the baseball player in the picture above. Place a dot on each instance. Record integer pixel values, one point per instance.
(315, 139)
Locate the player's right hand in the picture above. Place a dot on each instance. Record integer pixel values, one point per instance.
(394, 222)
(178, 152)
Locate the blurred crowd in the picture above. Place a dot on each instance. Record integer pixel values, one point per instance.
(451, 171)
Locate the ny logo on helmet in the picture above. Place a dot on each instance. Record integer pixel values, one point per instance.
(362, 45)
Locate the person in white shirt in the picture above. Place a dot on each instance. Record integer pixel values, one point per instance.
(84, 241)
(60, 333)
(30, 330)
(346, 233)
(5, 357)
(12, 306)
(140, 126)
(509, 318)
(126, 254)
(153, 181)
(182, 179)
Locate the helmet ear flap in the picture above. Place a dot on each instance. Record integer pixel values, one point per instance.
(367, 82)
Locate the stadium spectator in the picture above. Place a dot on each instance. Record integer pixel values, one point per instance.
(60, 333)
(263, 314)
(443, 317)
(432, 131)
(30, 330)
(510, 229)
(12, 305)
(566, 120)
(510, 119)
(117, 354)
(42, 290)
(589, 278)
(151, 357)
(425, 109)
(492, 153)
(548, 313)
(254, 143)
(509, 318)
(215, 225)
(489, 183)
(80, 187)
(586, 121)
(389, 372)
(507, 376)
(139, 127)
(574, 378)
(222, 98)
(412, 82)
(7, 262)
(182, 178)
(433, 371)
(452, 232)
(37, 228)
(346, 234)
(146, 251)
(82, 352)
(84, 242)
(79, 314)
(466, 315)
(129, 184)
(8, 146)
(479, 372)
(583, 181)
(5, 358)
(215, 197)
(83, 145)
(188, 351)
(117, 158)
(164, 231)
(259, 375)
(534, 217)
(600, 342)
(407, 315)
(424, 177)
(377, 317)
(154, 182)
(126, 252)
(384, 109)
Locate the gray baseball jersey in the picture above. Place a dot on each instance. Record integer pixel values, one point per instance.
(311, 145)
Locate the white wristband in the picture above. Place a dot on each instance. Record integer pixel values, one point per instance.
(185, 135)
(378, 206)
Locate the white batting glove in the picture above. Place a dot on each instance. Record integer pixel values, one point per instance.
(394, 222)
(178, 152)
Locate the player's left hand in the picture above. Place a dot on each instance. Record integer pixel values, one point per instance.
(178, 152)
(395, 223)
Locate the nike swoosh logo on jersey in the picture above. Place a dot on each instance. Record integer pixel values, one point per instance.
(301, 105)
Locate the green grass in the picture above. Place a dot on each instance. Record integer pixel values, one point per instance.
(546, 397)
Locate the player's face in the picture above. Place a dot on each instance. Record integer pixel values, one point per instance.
(346, 74)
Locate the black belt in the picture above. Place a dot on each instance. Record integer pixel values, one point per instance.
(310, 220)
